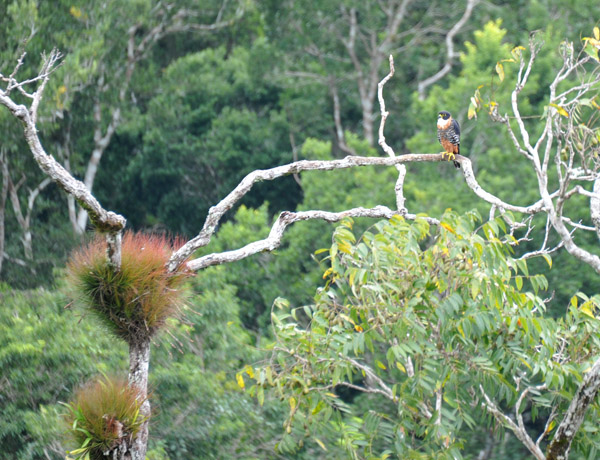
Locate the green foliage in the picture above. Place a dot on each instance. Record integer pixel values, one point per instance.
(135, 301)
(202, 110)
(299, 274)
(45, 351)
(408, 318)
(103, 413)
(215, 121)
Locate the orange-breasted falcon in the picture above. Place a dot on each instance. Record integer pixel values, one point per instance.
(448, 132)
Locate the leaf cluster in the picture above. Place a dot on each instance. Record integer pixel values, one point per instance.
(421, 326)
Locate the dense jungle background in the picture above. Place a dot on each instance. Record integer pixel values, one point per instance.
(162, 116)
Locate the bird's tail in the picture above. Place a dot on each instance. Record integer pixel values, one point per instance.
(456, 163)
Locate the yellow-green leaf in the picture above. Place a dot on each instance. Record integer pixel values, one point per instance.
(524, 362)
(261, 396)
(292, 403)
(269, 375)
(75, 12)
(472, 113)
(447, 227)
(320, 443)
(548, 259)
(380, 364)
(240, 380)
(517, 51)
(500, 71)
(591, 50)
(560, 110)
(597, 33)
(587, 309)
(519, 282)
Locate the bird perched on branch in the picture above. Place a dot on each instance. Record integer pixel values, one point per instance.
(448, 132)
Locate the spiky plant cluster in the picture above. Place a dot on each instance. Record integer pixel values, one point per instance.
(104, 415)
(135, 301)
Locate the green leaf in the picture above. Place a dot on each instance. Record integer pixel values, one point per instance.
(472, 112)
(591, 50)
(519, 282)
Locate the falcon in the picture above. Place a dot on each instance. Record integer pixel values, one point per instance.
(448, 132)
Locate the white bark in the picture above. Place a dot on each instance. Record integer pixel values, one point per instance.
(105, 221)
(539, 153)
(450, 54)
(595, 206)
(399, 188)
(216, 212)
(586, 394)
(139, 363)
(519, 431)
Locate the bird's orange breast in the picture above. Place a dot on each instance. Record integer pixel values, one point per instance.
(449, 146)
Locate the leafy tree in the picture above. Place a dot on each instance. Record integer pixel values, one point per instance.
(435, 333)
(45, 351)
(217, 121)
(111, 281)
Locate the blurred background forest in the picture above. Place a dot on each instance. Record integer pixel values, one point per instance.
(163, 115)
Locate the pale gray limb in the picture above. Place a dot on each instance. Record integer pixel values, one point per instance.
(286, 218)
(399, 187)
(450, 54)
(595, 206)
(540, 159)
(384, 387)
(521, 434)
(586, 394)
(104, 221)
(216, 212)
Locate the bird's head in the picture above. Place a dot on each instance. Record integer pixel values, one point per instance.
(443, 115)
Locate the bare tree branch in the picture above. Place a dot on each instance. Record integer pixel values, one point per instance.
(450, 54)
(586, 394)
(3, 197)
(286, 218)
(399, 188)
(105, 221)
(521, 434)
(372, 376)
(216, 212)
(595, 206)
(556, 131)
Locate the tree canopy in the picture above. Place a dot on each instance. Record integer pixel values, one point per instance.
(453, 328)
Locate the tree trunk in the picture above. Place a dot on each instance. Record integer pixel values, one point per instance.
(139, 360)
